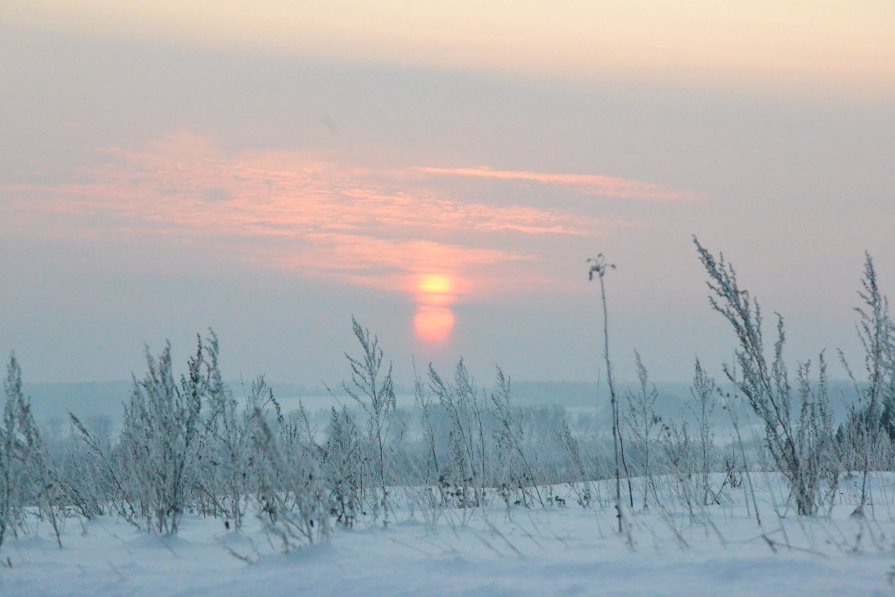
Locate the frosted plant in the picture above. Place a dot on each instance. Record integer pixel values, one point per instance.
(427, 421)
(372, 388)
(797, 446)
(703, 394)
(226, 443)
(599, 267)
(875, 332)
(104, 479)
(888, 389)
(12, 473)
(463, 479)
(344, 467)
(26, 474)
(678, 450)
(581, 484)
(644, 424)
(159, 439)
(84, 469)
(293, 504)
(519, 474)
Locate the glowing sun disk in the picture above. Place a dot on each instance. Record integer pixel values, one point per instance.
(434, 284)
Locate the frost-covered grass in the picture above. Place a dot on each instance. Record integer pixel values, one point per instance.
(200, 493)
(567, 550)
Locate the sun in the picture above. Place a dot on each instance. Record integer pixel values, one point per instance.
(434, 284)
(434, 289)
(433, 323)
(434, 294)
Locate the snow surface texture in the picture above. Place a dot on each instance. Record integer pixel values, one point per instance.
(558, 550)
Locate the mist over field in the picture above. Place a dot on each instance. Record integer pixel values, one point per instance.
(104, 399)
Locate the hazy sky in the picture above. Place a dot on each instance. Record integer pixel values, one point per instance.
(441, 170)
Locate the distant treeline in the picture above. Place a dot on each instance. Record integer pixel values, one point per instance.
(89, 399)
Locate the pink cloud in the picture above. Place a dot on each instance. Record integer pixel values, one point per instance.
(601, 186)
(315, 215)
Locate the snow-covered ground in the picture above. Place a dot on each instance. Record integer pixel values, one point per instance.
(558, 550)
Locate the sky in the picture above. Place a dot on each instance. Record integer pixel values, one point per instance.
(441, 171)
